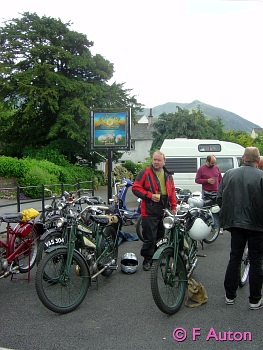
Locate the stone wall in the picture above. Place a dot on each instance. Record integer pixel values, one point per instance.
(8, 182)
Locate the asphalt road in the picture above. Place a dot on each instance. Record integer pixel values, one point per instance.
(121, 314)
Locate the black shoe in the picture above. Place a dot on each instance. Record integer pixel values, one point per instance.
(146, 266)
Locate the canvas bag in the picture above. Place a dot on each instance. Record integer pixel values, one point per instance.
(197, 294)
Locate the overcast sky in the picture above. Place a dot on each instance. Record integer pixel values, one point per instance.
(172, 50)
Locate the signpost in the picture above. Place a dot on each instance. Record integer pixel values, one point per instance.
(110, 129)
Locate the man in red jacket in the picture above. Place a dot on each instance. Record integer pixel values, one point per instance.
(155, 186)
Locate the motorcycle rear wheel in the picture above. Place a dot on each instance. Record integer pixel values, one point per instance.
(168, 284)
(27, 258)
(62, 293)
(214, 233)
(109, 242)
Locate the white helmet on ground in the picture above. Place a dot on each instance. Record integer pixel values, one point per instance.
(129, 263)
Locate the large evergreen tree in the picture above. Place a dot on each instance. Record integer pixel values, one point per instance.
(49, 80)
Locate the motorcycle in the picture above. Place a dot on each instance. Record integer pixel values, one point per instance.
(121, 189)
(18, 250)
(208, 202)
(176, 256)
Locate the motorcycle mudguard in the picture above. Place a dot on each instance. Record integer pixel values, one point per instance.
(55, 247)
(215, 209)
(159, 251)
(47, 232)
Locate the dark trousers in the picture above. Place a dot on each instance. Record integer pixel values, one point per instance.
(239, 237)
(152, 230)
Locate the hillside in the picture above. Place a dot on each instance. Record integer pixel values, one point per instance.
(230, 120)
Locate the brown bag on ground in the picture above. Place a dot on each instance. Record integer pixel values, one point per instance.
(197, 294)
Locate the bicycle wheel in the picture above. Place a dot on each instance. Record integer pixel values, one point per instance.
(109, 242)
(62, 293)
(168, 283)
(27, 258)
(139, 228)
(244, 268)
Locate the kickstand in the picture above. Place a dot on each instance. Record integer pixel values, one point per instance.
(201, 255)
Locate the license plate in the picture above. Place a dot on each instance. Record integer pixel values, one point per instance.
(162, 241)
(54, 241)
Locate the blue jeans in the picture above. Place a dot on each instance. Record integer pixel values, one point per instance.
(239, 237)
(216, 223)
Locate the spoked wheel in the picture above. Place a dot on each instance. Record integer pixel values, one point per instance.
(110, 243)
(214, 233)
(139, 228)
(27, 257)
(244, 268)
(61, 292)
(168, 283)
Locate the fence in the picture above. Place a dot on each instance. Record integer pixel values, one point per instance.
(18, 200)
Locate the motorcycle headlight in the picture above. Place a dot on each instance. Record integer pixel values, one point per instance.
(168, 222)
(60, 222)
(61, 205)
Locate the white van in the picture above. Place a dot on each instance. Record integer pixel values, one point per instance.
(185, 156)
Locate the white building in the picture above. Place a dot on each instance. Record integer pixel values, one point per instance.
(141, 140)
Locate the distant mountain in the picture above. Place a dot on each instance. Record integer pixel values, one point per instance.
(230, 120)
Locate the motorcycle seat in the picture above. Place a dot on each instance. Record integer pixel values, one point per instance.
(11, 217)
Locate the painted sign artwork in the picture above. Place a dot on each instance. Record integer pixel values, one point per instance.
(110, 129)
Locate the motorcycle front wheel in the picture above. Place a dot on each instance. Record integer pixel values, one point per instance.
(168, 282)
(62, 292)
(244, 268)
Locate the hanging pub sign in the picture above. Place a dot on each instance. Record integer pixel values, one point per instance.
(110, 129)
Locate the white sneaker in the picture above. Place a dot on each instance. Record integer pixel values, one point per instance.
(256, 306)
(229, 301)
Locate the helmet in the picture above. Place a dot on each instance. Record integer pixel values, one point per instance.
(198, 224)
(129, 263)
(195, 202)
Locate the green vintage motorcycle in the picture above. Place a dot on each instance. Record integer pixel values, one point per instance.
(89, 248)
(176, 256)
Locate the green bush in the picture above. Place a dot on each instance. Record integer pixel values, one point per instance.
(33, 172)
(120, 172)
(135, 168)
(12, 167)
(35, 177)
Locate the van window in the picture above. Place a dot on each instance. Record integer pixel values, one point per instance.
(181, 165)
(223, 164)
(209, 148)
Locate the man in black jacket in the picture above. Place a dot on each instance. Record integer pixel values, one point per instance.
(240, 197)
